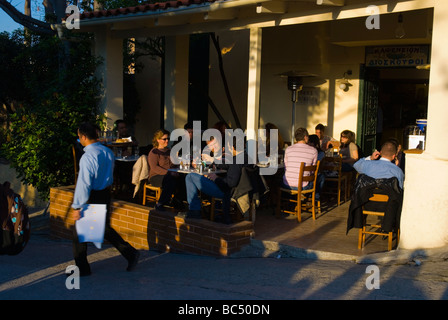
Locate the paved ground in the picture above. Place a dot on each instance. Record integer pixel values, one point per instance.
(260, 272)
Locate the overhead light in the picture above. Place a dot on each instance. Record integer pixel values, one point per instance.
(399, 31)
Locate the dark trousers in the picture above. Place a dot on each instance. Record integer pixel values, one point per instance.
(80, 248)
(170, 183)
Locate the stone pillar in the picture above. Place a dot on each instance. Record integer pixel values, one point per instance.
(111, 74)
(176, 81)
(424, 220)
(253, 93)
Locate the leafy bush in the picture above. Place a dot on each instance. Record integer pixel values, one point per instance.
(59, 91)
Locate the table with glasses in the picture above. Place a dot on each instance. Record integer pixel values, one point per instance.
(123, 187)
(193, 170)
(132, 158)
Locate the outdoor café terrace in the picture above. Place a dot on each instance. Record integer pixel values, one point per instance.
(147, 229)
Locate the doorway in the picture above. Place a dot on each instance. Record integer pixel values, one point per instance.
(394, 98)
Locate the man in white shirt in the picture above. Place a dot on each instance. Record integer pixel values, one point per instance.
(379, 165)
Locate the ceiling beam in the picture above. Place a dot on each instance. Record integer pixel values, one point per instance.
(277, 7)
(225, 14)
(338, 3)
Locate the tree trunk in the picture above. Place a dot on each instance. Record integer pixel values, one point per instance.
(27, 11)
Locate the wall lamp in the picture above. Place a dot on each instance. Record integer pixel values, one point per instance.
(344, 84)
(399, 31)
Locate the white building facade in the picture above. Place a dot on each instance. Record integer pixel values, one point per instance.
(391, 54)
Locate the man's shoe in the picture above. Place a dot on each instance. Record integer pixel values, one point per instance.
(82, 273)
(132, 263)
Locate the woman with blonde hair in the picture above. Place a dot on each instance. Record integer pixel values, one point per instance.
(348, 150)
(159, 162)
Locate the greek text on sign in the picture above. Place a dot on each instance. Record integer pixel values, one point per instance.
(397, 56)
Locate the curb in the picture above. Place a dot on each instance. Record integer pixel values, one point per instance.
(272, 249)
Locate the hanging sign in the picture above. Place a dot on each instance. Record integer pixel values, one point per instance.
(397, 56)
(309, 96)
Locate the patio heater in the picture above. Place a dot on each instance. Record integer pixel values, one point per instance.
(296, 81)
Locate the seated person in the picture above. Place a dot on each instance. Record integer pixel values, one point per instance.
(378, 172)
(348, 150)
(188, 127)
(400, 158)
(380, 164)
(159, 162)
(313, 140)
(122, 132)
(294, 155)
(212, 184)
(325, 141)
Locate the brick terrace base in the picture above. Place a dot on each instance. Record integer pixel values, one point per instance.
(162, 231)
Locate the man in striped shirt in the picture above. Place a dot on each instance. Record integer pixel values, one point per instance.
(294, 155)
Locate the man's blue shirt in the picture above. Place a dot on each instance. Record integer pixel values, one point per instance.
(96, 169)
(379, 169)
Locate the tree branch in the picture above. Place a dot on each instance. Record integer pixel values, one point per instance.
(26, 21)
(215, 41)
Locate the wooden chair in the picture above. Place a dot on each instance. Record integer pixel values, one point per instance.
(375, 228)
(332, 168)
(301, 194)
(151, 193)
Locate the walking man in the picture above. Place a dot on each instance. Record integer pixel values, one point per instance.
(95, 178)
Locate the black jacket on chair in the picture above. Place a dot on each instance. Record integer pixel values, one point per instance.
(364, 190)
(251, 186)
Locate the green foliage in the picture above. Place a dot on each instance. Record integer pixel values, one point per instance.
(58, 92)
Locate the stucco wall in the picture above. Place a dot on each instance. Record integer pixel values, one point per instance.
(308, 48)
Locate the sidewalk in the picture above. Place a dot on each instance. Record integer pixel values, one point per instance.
(262, 271)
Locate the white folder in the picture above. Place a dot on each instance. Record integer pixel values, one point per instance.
(91, 226)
